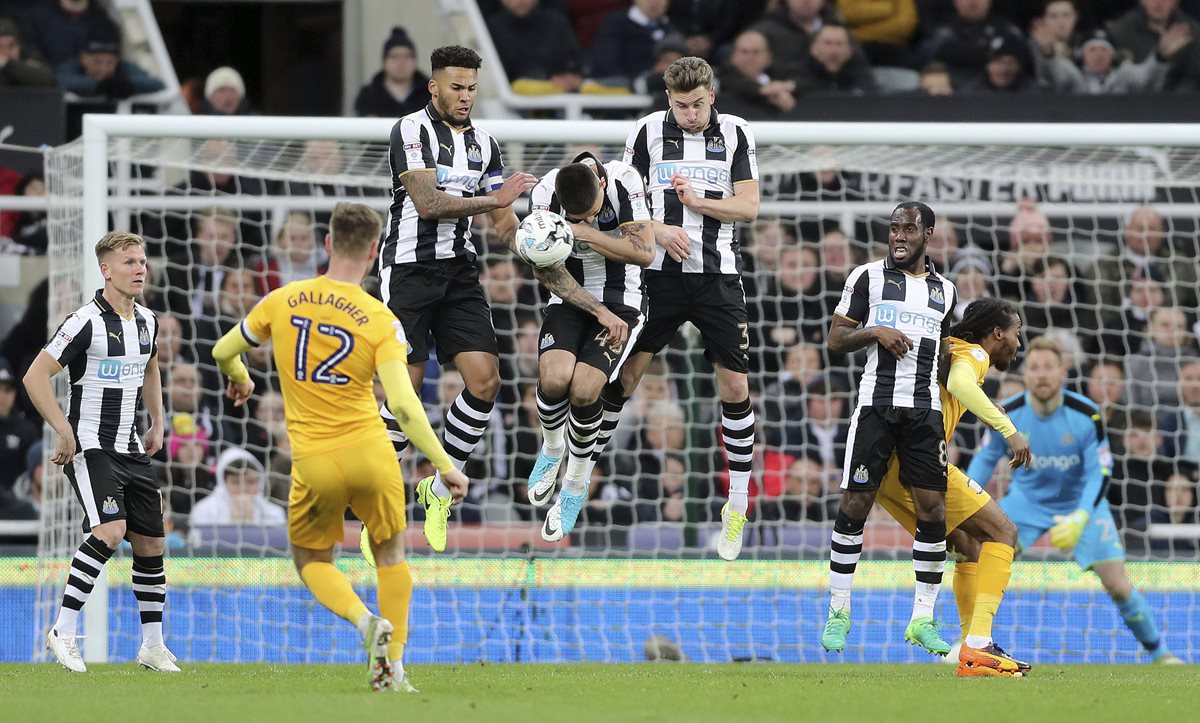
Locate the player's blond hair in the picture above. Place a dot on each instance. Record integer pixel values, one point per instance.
(115, 241)
(688, 74)
(1045, 344)
(353, 228)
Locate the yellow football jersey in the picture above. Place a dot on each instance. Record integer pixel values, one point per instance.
(952, 409)
(329, 337)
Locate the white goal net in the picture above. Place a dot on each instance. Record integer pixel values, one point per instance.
(1092, 231)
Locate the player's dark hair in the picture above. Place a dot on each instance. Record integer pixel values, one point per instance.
(455, 56)
(576, 187)
(983, 315)
(924, 212)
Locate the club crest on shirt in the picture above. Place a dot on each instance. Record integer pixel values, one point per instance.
(936, 296)
(607, 214)
(1068, 438)
(861, 475)
(110, 506)
(143, 335)
(474, 153)
(715, 144)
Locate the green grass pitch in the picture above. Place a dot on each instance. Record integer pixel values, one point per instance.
(572, 693)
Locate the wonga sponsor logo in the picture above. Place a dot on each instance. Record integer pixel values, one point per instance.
(709, 173)
(113, 370)
(891, 315)
(464, 181)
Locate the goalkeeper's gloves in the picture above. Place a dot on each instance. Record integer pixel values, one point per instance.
(1067, 529)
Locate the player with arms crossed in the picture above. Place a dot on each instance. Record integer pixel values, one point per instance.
(614, 238)
(977, 529)
(904, 308)
(1064, 492)
(701, 174)
(110, 347)
(444, 171)
(330, 338)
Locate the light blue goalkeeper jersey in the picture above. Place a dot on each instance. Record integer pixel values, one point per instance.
(1071, 456)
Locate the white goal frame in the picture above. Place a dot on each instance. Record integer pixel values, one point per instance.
(103, 195)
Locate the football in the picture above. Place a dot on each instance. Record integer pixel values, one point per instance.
(544, 239)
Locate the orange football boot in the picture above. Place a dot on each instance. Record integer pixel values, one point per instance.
(990, 660)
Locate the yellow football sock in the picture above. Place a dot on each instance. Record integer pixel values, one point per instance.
(395, 595)
(964, 593)
(995, 567)
(331, 588)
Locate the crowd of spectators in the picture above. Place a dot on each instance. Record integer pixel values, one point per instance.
(1122, 304)
(771, 53)
(72, 44)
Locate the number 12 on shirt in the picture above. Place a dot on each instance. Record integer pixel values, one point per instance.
(324, 373)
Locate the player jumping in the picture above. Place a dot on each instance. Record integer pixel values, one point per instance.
(614, 238)
(701, 172)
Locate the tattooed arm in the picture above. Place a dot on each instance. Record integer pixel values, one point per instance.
(636, 245)
(432, 203)
(558, 280)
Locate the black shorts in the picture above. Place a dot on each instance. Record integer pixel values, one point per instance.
(714, 303)
(441, 304)
(568, 328)
(112, 486)
(916, 435)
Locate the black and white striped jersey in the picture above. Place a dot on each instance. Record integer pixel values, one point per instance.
(612, 282)
(467, 162)
(106, 357)
(921, 306)
(715, 159)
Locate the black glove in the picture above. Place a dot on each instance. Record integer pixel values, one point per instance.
(116, 86)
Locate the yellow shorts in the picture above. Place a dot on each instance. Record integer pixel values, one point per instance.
(964, 497)
(365, 477)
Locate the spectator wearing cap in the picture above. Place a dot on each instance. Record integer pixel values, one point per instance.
(834, 68)
(966, 43)
(399, 88)
(789, 26)
(624, 46)
(17, 432)
(1007, 68)
(1100, 71)
(225, 93)
(58, 28)
(1140, 33)
(747, 81)
(18, 67)
(99, 70)
(534, 42)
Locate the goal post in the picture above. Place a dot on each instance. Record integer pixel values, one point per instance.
(636, 570)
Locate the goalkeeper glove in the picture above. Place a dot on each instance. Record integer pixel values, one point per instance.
(1067, 529)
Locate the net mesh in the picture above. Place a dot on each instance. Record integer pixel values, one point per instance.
(1098, 246)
